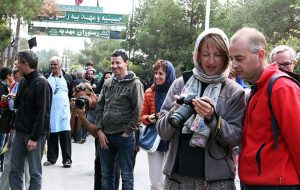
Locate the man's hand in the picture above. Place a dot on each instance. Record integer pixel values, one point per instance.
(125, 135)
(31, 145)
(102, 139)
(72, 104)
(80, 113)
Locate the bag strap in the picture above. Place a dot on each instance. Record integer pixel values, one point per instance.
(186, 75)
(274, 121)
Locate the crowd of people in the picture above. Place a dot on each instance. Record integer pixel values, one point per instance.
(210, 122)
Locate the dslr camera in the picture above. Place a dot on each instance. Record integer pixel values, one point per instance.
(81, 102)
(184, 112)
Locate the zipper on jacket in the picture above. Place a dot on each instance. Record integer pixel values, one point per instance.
(258, 158)
(250, 114)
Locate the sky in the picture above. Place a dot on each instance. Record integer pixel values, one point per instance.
(73, 43)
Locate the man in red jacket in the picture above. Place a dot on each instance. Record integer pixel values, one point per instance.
(261, 165)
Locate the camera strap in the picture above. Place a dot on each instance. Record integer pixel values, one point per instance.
(219, 140)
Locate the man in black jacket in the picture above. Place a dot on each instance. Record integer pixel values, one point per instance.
(33, 103)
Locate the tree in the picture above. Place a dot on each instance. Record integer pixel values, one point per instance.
(164, 29)
(24, 11)
(99, 52)
(44, 58)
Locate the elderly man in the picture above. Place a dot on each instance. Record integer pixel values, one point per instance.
(266, 162)
(61, 84)
(284, 56)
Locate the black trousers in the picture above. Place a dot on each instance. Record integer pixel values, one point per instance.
(64, 138)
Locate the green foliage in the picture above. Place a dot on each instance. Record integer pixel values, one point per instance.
(99, 52)
(167, 29)
(44, 58)
(5, 36)
(23, 43)
(74, 68)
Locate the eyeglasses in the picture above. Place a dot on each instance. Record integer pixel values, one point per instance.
(284, 64)
(53, 65)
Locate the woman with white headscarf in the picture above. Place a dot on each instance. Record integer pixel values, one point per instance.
(208, 126)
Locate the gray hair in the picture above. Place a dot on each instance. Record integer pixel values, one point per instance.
(29, 57)
(282, 48)
(55, 58)
(80, 73)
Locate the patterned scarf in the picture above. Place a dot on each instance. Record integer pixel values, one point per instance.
(193, 86)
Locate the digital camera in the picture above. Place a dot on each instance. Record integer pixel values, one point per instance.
(81, 102)
(184, 112)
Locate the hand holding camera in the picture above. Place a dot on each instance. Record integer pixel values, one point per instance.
(80, 103)
(203, 107)
(190, 105)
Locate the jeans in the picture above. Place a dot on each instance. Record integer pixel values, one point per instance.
(123, 148)
(2, 143)
(80, 135)
(18, 156)
(4, 178)
(2, 140)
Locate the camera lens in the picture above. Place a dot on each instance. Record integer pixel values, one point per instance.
(181, 115)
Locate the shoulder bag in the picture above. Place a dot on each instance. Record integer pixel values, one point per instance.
(149, 138)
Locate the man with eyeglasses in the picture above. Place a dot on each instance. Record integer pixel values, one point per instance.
(284, 56)
(266, 162)
(118, 116)
(60, 129)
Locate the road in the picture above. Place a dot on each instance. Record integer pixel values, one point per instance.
(81, 174)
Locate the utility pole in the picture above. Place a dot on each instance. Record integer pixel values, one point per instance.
(207, 14)
(130, 30)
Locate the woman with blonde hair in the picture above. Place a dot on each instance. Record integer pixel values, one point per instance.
(204, 130)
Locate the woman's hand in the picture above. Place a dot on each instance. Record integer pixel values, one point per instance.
(152, 118)
(203, 108)
(175, 104)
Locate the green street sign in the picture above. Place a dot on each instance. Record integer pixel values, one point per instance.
(88, 18)
(88, 33)
(84, 9)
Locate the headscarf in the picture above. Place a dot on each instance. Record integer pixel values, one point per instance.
(161, 90)
(194, 84)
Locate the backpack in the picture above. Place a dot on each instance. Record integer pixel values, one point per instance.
(292, 76)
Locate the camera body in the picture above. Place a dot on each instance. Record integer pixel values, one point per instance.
(184, 112)
(81, 102)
